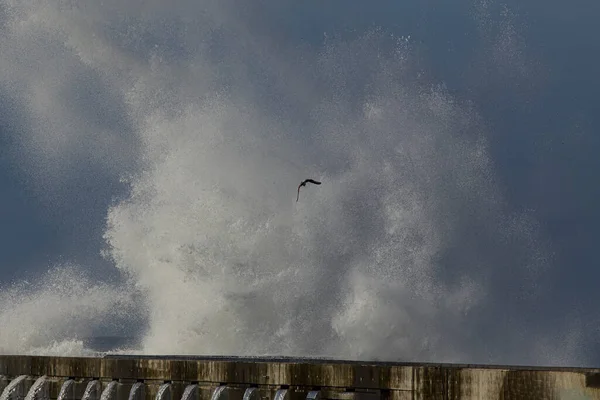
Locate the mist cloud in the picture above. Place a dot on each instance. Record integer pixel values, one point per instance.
(58, 311)
(407, 251)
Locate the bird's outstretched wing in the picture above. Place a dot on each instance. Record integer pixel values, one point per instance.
(303, 183)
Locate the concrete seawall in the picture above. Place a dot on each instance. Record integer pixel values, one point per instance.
(232, 378)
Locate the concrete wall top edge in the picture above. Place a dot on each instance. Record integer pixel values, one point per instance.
(284, 361)
(313, 360)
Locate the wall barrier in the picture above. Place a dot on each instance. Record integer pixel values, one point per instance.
(233, 378)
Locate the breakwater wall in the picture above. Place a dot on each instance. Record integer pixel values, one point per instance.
(233, 378)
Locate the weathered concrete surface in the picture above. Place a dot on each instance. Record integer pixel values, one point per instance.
(222, 378)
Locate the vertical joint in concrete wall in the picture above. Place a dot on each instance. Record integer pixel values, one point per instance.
(93, 390)
(164, 392)
(15, 390)
(39, 390)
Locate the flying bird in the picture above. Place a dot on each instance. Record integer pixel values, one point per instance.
(304, 182)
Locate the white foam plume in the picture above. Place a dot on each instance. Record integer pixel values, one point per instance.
(221, 126)
(57, 311)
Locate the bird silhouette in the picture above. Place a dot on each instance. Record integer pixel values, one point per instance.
(303, 183)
